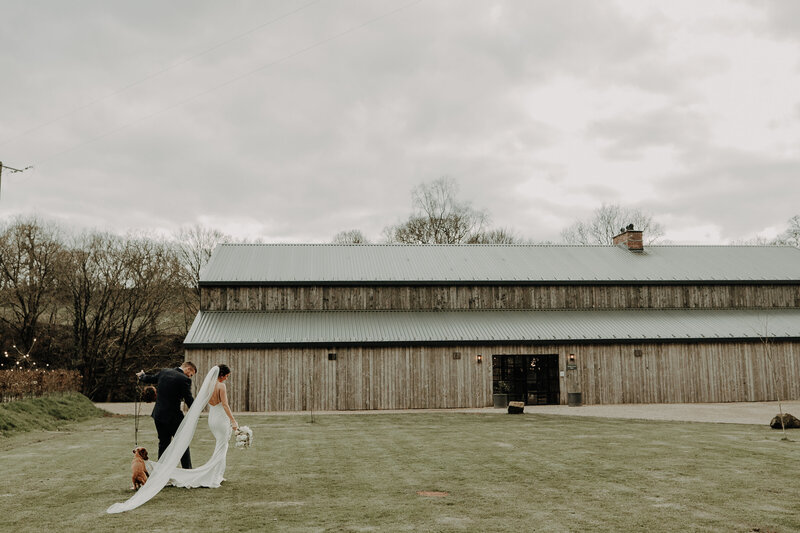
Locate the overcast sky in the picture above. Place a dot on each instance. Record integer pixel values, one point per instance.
(292, 120)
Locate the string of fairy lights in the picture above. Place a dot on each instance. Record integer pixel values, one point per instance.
(19, 360)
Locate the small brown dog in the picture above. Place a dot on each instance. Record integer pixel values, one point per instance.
(138, 469)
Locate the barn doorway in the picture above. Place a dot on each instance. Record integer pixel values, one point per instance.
(532, 379)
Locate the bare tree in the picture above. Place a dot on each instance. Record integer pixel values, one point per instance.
(122, 293)
(195, 244)
(607, 221)
(791, 236)
(153, 276)
(438, 217)
(353, 236)
(776, 375)
(415, 230)
(758, 240)
(93, 282)
(94, 302)
(30, 252)
(495, 236)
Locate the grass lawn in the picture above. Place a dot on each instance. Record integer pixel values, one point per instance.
(363, 473)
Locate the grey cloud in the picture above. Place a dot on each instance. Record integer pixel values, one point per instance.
(331, 139)
(782, 17)
(542, 38)
(739, 191)
(627, 137)
(599, 191)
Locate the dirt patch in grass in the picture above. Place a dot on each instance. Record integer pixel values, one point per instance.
(433, 493)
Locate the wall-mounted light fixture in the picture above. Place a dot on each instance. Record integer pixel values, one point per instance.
(456, 355)
(571, 362)
(479, 359)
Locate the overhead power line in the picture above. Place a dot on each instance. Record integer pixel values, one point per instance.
(235, 79)
(156, 74)
(10, 169)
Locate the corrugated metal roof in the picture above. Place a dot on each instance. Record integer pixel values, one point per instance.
(398, 327)
(408, 264)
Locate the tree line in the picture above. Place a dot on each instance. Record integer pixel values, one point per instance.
(98, 303)
(439, 217)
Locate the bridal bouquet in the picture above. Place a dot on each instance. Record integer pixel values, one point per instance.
(244, 437)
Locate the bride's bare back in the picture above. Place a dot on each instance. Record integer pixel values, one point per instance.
(220, 396)
(216, 396)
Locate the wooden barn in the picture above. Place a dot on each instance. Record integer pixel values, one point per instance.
(334, 327)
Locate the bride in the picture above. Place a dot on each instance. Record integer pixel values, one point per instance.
(220, 420)
(166, 471)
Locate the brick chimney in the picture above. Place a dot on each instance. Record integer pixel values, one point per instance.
(630, 239)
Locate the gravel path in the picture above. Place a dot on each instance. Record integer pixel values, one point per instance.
(729, 413)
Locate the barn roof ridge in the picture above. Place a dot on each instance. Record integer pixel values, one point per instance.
(330, 264)
(496, 245)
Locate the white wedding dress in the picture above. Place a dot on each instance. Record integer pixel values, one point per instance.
(210, 474)
(166, 470)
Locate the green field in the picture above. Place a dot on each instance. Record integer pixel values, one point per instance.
(364, 472)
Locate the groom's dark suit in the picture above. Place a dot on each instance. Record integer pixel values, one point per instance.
(172, 386)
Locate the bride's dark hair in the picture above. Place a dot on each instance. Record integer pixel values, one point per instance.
(223, 370)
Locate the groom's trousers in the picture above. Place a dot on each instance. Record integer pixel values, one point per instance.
(165, 433)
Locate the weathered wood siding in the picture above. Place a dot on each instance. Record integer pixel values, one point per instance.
(689, 373)
(359, 378)
(285, 298)
(428, 377)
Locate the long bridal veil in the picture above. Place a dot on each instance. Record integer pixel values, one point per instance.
(169, 460)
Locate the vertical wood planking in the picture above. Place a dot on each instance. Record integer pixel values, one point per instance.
(426, 377)
(280, 298)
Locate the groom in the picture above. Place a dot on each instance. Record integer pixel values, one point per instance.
(172, 386)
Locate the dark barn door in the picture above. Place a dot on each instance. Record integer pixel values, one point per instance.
(532, 379)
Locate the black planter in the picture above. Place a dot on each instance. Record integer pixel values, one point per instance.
(500, 400)
(574, 399)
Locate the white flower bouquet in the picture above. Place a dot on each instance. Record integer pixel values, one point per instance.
(244, 437)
